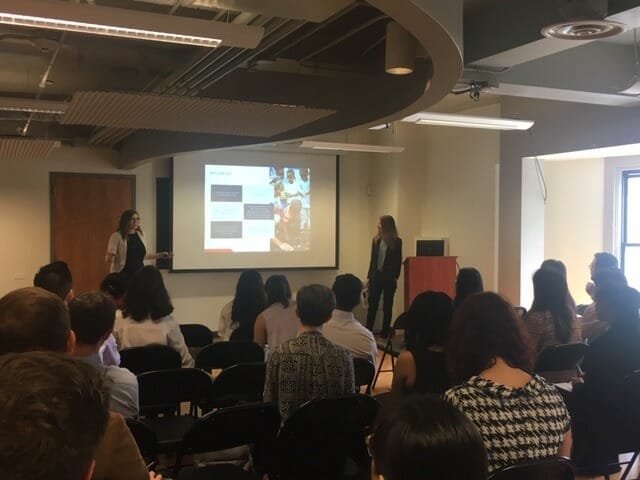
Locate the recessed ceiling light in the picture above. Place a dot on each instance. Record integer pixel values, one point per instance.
(583, 29)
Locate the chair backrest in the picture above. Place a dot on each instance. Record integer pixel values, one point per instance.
(196, 335)
(225, 428)
(225, 354)
(363, 371)
(317, 438)
(243, 382)
(620, 416)
(145, 438)
(149, 358)
(162, 391)
(560, 357)
(557, 468)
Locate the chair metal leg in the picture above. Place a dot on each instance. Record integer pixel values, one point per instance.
(386, 351)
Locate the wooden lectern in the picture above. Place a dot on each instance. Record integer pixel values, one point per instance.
(428, 273)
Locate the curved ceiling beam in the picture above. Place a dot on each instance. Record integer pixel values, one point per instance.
(366, 99)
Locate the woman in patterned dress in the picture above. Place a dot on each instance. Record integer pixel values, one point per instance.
(520, 416)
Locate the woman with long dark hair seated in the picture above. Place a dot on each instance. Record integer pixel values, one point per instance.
(520, 416)
(238, 317)
(422, 367)
(551, 319)
(147, 316)
(468, 282)
(278, 322)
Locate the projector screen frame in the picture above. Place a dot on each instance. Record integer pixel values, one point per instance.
(335, 266)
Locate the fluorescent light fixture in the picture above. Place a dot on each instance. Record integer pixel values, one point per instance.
(603, 152)
(350, 147)
(28, 105)
(468, 121)
(134, 24)
(382, 126)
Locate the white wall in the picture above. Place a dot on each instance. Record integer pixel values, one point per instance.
(25, 214)
(442, 186)
(197, 297)
(574, 217)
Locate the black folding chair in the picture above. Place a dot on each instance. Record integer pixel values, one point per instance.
(555, 468)
(241, 383)
(146, 440)
(561, 357)
(161, 393)
(393, 345)
(318, 438)
(224, 354)
(196, 335)
(255, 425)
(363, 371)
(149, 358)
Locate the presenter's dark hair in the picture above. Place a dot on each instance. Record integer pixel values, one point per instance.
(125, 218)
(486, 327)
(56, 278)
(92, 316)
(315, 305)
(54, 411)
(468, 281)
(426, 438)
(429, 320)
(146, 296)
(32, 318)
(249, 301)
(555, 265)
(347, 288)
(278, 290)
(551, 294)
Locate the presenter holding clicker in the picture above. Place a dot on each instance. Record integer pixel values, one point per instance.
(384, 269)
(127, 250)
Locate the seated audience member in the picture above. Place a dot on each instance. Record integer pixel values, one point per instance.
(468, 281)
(33, 319)
(113, 284)
(53, 411)
(343, 329)
(520, 416)
(422, 367)
(278, 322)
(309, 366)
(92, 317)
(425, 438)
(615, 353)
(592, 326)
(559, 267)
(551, 320)
(56, 278)
(241, 313)
(147, 317)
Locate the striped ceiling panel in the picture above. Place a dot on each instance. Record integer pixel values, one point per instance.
(187, 114)
(25, 148)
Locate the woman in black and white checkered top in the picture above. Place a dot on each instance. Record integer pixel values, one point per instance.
(520, 416)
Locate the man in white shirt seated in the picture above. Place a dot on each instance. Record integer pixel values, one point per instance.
(343, 329)
(92, 317)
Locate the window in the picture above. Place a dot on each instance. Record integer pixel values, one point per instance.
(630, 237)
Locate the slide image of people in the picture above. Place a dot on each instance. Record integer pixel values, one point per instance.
(257, 209)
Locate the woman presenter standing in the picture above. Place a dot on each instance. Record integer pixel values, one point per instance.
(127, 251)
(384, 269)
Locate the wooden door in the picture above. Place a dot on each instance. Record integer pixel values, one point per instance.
(85, 210)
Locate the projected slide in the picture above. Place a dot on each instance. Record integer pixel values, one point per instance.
(257, 208)
(242, 208)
